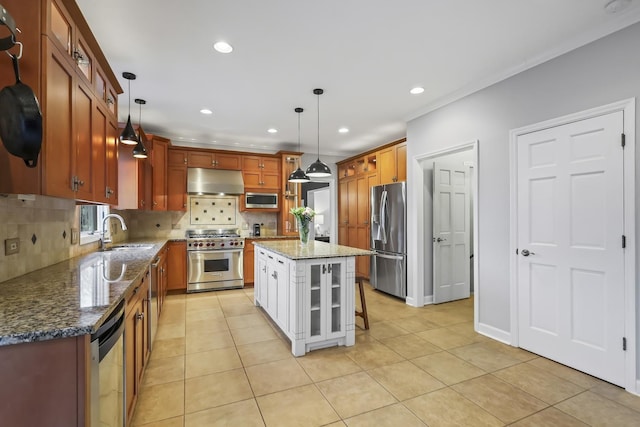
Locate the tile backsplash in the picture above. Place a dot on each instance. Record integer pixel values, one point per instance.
(43, 226)
(174, 224)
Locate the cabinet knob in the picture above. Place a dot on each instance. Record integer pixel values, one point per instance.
(140, 316)
(185, 160)
(184, 205)
(155, 203)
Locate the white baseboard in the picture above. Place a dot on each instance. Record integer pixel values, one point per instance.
(494, 333)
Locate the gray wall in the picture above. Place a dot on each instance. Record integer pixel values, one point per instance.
(602, 72)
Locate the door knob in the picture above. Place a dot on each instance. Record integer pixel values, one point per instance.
(525, 252)
(440, 239)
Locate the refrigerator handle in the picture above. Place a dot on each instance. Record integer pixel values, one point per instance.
(386, 256)
(383, 217)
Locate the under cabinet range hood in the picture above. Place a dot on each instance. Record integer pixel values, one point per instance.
(214, 181)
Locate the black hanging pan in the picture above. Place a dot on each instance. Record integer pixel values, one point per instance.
(20, 116)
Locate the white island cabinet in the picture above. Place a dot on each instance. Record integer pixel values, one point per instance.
(308, 291)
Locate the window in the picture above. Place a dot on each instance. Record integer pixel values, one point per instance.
(91, 222)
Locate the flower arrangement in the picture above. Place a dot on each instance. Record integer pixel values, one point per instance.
(304, 215)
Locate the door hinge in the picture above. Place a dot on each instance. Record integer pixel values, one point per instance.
(624, 241)
(624, 343)
(623, 140)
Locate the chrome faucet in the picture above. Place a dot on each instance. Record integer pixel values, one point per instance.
(103, 239)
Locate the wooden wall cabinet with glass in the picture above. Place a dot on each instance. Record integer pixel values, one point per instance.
(290, 195)
(261, 172)
(177, 266)
(71, 78)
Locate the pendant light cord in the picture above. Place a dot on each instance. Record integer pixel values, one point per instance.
(129, 90)
(318, 96)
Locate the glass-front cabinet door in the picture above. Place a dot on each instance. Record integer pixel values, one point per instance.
(326, 295)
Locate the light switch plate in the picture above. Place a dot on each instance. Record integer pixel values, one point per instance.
(74, 236)
(11, 246)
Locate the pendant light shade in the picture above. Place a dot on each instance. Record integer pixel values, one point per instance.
(128, 135)
(139, 151)
(318, 169)
(298, 176)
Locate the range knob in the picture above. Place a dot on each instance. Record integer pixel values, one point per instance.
(208, 244)
(200, 244)
(222, 244)
(213, 244)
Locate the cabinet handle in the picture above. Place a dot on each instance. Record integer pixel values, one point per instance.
(274, 274)
(324, 269)
(140, 316)
(79, 58)
(184, 205)
(155, 203)
(109, 101)
(185, 160)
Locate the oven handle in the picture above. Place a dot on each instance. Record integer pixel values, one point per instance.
(217, 251)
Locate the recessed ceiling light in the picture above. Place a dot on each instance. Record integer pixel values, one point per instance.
(615, 6)
(416, 90)
(236, 143)
(223, 47)
(206, 111)
(343, 130)
(180, 137)
(272, 130)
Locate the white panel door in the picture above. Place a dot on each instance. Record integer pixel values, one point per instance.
(570, 227)
(451, 232)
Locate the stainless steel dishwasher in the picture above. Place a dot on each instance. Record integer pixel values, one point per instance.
(108, 371)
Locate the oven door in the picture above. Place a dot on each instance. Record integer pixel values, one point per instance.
(215, 270)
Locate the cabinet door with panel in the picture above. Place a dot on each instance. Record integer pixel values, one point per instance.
(177, 266)
(159, 172)
(228, 161)
(261, 173)
(177, 188)
(177, 157)
(201, 159)
(248, 261)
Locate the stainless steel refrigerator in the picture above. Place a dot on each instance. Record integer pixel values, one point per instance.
(389, 238)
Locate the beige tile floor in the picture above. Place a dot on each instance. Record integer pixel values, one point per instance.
(218, 361)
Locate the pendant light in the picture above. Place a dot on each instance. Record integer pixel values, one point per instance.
(128, 135)
(139, 151)
(318, 169)
(298, 176)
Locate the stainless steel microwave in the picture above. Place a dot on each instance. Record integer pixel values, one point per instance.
(261, 200)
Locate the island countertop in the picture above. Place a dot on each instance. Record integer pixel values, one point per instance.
(293, 249)
(72, 297)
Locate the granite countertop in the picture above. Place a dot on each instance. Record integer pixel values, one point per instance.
(70, 298)
(271, 237)
(292, 249)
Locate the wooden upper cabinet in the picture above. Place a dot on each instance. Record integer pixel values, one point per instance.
(177, 188)
(392, 163)
(213, 160)
(65, 67)
(177, 158)
(228, 161)
(261, 172)
(290, 195)
(201, 159)
(159, 172)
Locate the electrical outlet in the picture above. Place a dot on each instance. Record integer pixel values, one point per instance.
(11, 246)
(74, 236)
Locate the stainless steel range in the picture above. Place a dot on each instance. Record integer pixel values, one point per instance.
(214, 259)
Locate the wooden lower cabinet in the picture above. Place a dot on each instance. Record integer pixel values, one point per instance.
(177, 266)
(248, 261)
(136, 343)
(46, 383)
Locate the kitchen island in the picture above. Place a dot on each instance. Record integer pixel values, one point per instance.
(308, 291)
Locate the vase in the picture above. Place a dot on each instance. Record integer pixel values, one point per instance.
(303, 229)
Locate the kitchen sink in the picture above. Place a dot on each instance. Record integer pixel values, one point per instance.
(129, 247)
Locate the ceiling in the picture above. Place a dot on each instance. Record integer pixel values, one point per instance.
(365, 54)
